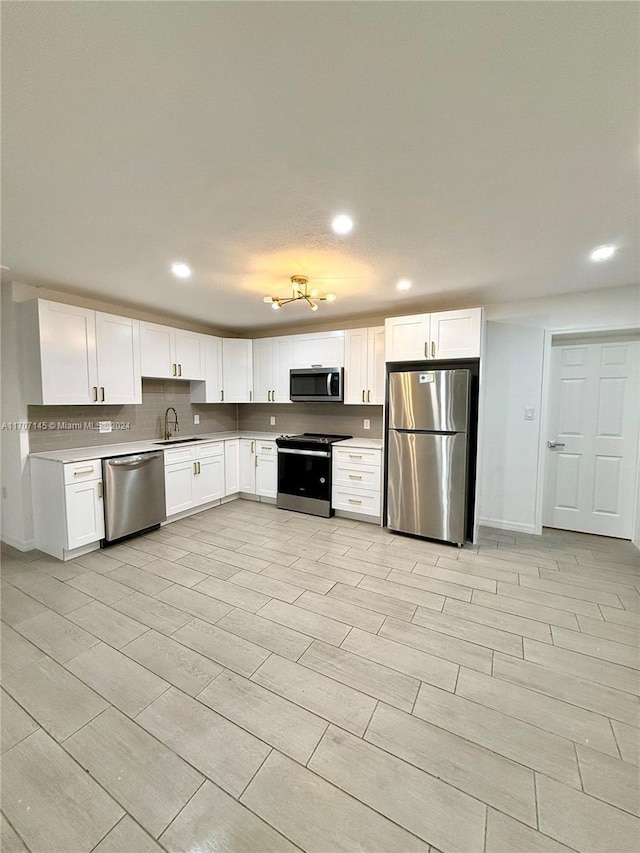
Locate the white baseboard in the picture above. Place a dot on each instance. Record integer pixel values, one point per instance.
(18, 544)
(502, 524)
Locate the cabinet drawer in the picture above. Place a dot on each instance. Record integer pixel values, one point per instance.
(76, 472)
(264, 448)
(356, 456)
(216, 448)
(179, 454)
(361, 476)
(356, 500)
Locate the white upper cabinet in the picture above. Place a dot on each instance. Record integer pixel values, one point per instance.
(210, 389)
(321, 349)
(118, 359)
(76, 356)
(443, 335)
(407, 338)
(272, 361)
(262, 370)
(456, 334)
(189, 354)
(237, 370)
(364, 366)
(169, 353)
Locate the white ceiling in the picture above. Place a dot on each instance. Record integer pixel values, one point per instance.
(482, 148)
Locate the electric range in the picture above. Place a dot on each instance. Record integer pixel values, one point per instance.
(304, 472)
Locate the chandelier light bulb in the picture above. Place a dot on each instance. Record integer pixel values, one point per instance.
(275, 305)
(268, 299)
(403, 284)
(330, 297)
(314, 307)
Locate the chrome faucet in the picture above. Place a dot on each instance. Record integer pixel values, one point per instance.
(175, 425)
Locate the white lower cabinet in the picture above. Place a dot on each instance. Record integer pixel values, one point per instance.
(209, 480)
(193, 476)
(266, 469)
(357, 480)
(248, 466)
(232, 466)
(68, 508)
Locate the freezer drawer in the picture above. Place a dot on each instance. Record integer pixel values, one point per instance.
(426, 491)
(436, 400)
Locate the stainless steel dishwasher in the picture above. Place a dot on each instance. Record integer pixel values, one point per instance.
(134, 498)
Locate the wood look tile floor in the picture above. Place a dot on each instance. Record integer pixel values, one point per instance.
(251, 680)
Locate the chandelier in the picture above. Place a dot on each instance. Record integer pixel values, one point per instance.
(300, 290)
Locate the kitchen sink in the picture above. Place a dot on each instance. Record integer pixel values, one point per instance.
(179, 440)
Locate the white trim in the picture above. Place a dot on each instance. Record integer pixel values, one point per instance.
(544, 415)
(18, 544)
(504, 524)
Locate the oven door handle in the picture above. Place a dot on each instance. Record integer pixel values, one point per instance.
(325, 453)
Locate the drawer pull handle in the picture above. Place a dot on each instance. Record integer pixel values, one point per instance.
(355, 476)
(355, 456)
(83, 471)
(100, 490)
(354, 501)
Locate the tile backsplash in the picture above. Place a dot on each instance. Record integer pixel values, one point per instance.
(77, 426)
(72, 425)
(312, 417)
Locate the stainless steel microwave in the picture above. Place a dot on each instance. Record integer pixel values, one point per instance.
(317, 385)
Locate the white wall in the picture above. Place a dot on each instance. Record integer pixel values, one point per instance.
(16, 522)
(513, 380)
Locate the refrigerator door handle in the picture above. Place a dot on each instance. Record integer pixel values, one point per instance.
(429, 431)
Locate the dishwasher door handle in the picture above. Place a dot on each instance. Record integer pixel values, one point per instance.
(134, 461)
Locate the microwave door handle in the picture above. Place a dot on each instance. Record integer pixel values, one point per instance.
(329, 375)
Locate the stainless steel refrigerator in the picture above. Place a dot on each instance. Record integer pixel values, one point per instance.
(427, 447)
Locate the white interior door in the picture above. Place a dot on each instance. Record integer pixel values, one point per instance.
(593, 423)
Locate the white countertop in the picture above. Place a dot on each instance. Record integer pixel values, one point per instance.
(362, 443)
(81, 454)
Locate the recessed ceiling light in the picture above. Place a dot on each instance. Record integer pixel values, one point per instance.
(403, 284)
(342, 224)
(180, 270)
(602, 253)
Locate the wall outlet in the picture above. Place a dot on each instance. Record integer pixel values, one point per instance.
(196, 419)
(529, 414)
(366, 423)
(104, 426)
(272, 420)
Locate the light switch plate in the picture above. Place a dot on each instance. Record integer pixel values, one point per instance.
(272, 420)
(529, 414)
(104, 426)
(366, 423)
(196, 419)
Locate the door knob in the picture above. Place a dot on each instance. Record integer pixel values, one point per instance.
(552, 445)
